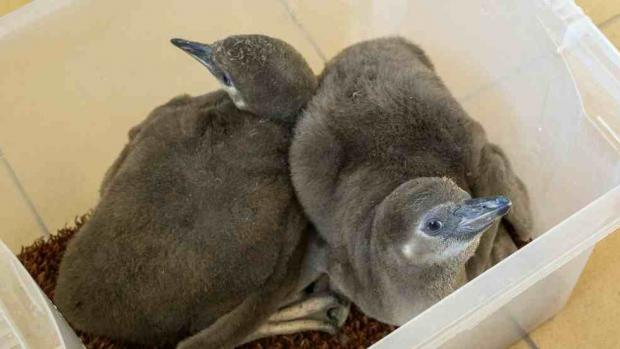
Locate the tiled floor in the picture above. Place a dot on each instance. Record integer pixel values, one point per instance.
(589, 320)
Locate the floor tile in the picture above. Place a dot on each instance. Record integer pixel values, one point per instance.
(522, 344)
(4, 7)
(612, 31)
(591, 317)
(7, 6)
(600, 10)
(74, 83)
(14, 4)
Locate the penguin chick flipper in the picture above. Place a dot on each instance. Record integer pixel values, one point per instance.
(496, 177)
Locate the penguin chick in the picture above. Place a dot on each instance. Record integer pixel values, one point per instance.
(385, 163)
(242, 63)
(198, 231)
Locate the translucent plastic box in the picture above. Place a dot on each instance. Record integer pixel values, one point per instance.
(541, 78)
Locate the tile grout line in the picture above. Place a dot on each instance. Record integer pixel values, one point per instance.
(609, 21)
(22, 193)
(300, 26)
(525, 336)
(530, 342)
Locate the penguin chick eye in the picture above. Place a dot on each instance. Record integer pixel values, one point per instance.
(434, 225)
(226, 80)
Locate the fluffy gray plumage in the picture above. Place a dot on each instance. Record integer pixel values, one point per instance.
(198, 229)
(382, 152)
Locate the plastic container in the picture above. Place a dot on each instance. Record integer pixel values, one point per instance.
(27, 318)
(542, 79)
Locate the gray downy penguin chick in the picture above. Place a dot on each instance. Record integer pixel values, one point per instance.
(198, 233)
(385, 163)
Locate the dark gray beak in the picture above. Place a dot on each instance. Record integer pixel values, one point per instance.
(203, 53)
(480, 213)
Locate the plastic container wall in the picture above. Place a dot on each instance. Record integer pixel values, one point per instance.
(27, 318)
(537, 74)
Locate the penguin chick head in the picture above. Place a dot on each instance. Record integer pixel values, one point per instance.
(262, 75)
(425, 231)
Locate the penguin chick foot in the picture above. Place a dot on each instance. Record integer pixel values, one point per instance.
(322, 307)
(320, 312)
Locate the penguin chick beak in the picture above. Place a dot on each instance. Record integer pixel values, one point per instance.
(202, 52)
(480, 213)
